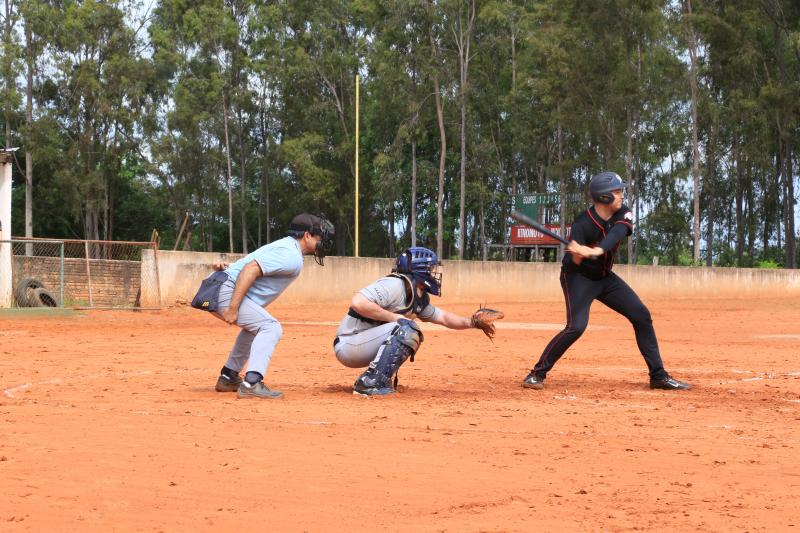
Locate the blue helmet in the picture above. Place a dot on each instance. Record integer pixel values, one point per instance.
(602, 185)
(423, 266)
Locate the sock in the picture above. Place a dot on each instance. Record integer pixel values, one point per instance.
(253, 377)
(228, 373)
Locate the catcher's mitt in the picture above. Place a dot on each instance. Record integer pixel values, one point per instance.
(484, 318)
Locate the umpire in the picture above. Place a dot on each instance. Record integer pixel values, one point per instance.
(248, 286)
(586, 276)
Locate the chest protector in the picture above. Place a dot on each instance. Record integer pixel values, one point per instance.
(417, 303)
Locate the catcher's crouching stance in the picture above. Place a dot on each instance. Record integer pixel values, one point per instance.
(376, 334)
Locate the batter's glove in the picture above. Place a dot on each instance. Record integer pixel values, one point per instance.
(484, 318)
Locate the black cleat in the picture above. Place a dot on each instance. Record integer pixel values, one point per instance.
(228, 384)
(532, 381)
(669, 383)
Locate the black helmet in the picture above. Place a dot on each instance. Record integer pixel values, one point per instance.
(315, 225)
(603, 184)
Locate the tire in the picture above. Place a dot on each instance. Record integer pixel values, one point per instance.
(24, 292)
(43, 298)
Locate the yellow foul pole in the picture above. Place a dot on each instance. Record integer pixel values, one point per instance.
(356, 244)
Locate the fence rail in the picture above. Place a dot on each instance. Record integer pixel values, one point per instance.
(78, 273)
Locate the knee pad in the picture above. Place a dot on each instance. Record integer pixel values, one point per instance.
(408, 333)
(402, 344)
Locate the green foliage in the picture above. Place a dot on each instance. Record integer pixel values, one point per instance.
(767, 263)
(136, 122)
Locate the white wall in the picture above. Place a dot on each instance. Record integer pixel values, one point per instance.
(5, 233)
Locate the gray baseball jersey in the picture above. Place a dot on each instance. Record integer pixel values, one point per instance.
(358, 342)
(390, 293)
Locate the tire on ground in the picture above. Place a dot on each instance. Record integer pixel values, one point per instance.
(24, 291)
(43, 298)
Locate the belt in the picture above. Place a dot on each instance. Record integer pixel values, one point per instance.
(355, 314)
(335, 341)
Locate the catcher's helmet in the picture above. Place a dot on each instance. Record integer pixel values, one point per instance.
(423, 266)
(315, 225)
(603, 184)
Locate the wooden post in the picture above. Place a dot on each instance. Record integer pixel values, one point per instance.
(180, 232)
(88, 273)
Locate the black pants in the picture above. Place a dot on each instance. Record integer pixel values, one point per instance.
(579, 293)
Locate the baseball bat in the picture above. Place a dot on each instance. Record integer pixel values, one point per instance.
(528, 221)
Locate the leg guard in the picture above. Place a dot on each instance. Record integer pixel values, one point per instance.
(381, 376)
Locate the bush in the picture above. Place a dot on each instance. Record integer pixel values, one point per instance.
(767, 263)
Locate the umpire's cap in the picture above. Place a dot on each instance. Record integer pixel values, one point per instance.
(603, 184)
(315, 225)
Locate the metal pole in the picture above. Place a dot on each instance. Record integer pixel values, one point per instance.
(357, 117)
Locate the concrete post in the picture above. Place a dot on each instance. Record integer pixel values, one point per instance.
(6, 160)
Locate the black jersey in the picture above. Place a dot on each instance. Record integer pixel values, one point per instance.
(591, 230)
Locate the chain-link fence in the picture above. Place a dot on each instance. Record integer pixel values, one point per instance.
(80, 274)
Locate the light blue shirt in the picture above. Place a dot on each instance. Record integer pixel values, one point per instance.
(281, 262)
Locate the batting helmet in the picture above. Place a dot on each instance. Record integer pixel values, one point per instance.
(423, 266)
(603, 184)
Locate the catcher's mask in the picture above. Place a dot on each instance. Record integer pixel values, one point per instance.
(603, 185)
(315, 225)
(423, 266)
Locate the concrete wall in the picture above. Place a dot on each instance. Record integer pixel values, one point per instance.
(6, 287)
(471, 282)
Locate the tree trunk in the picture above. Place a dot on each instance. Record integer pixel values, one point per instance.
(739, 205)
(8, 75)
(462, 175)
(778, 190)
(413, 217)
(513, 52)
(442, 152)
(463, 41)
(710, 188)
(629, 173)
(229, 175)
(242, 179)
(264, 171)
(482, 214)
(390, 215)
(695, 144)
(562, 189)
(260, 227)
(751, 230)
(29, 122)
(791, 254)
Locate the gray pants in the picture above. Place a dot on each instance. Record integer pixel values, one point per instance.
(358, 350)
(259, 335)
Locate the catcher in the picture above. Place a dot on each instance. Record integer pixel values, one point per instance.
(376, 332)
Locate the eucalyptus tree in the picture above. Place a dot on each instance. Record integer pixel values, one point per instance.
(101, 85)
(10, 62)
(197, 48)
(322, 49)
(396, 103)
(38, 21)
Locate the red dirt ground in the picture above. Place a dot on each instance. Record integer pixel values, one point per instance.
(109, 421)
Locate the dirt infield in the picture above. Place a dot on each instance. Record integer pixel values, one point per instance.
(109, 422)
